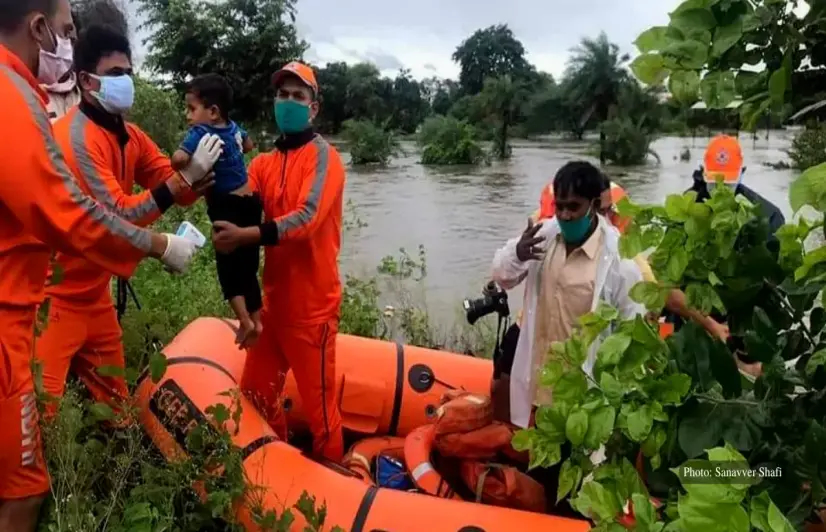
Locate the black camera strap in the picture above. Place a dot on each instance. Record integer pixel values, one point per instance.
(123, 291)
(501, 328)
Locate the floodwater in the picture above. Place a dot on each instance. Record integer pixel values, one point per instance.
(462, 215)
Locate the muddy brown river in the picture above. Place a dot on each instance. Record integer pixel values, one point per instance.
(463, 214)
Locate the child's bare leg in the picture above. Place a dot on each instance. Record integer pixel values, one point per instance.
(255, 333)
(256, 320)
(247, 326)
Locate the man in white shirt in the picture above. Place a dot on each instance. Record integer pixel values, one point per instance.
(570, 264)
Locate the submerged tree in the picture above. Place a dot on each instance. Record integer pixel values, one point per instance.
(502, 98)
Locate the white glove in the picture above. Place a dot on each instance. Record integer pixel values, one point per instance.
(178, 254)
(206, 154)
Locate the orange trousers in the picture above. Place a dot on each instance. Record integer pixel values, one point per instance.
(83, 338)
(311, 353)
(22, 466)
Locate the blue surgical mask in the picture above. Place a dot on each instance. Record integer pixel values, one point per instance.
(574, 231)
(116, 94)
(291, 116)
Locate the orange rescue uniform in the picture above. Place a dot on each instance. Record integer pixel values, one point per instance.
(41, 207)
(108, 156)
(547, 205)
(301, 184)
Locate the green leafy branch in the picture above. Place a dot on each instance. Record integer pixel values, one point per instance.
(667, 402)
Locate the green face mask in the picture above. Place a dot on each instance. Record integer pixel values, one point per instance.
(291, 116)
(573, 231)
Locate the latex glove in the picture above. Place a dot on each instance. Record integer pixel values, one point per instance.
(179, 253)
(203, 159)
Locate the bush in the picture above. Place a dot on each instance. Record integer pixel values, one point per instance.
(369, 142)
(626, 143)
(446, 140)
(160, 113)
(809, 147)
(666, 405)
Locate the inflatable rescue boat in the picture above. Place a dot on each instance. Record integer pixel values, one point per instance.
(386, 389)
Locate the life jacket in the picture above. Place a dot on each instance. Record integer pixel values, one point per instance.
(465, 430)
(501, 485)
(481, 444)
(463, 411)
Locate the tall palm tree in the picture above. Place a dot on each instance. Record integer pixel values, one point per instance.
(597, 73)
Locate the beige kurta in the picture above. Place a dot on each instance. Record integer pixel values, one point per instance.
(60, 103)
(565, 294)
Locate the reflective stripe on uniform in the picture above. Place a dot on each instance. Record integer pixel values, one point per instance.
(421, 470)
(139, 238)
(95, 182)
(306, 214)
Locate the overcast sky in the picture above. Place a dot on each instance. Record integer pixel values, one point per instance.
(423, 34)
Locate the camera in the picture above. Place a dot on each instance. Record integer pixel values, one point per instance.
(493, 299)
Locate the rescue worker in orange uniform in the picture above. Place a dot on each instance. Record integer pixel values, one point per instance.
(108, 156)
(301, 184)
(42, 207)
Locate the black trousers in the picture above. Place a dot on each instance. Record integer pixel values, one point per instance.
(549, 478)
(238, 270)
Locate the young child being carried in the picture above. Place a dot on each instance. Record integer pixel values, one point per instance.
(208, 100)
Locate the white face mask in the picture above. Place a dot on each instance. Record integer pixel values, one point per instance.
(54, 65)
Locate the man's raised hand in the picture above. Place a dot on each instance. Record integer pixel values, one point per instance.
(526, 248)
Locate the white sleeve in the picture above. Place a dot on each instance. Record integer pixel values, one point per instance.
(629, 276)
(508, 270)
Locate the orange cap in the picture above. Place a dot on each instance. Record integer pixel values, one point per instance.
(724, 158)
(299, 70)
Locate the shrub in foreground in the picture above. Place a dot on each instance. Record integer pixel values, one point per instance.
(714, 451)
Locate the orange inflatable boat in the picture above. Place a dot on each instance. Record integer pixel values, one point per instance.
(385, 389)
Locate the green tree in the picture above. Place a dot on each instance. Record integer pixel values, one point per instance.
(503, 99)
(595, 76)
(368, 94)
(441, 94)
(159, 112)
(244, 40)
(709, 51)
(490, 52)
(107, 12)
(333, 84)
(409, 106)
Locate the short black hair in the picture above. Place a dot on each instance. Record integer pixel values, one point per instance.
(606, 182)
(579, 178)
(212, 89)
(99, 13)
(14, 12)
(96, 42)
